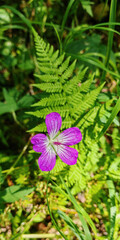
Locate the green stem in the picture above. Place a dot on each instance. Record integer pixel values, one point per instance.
(46, 235)
(19, 157)
(114, 113)
(112, 193)
(53, 220)
(112, 18)
(16, 120)
(65, 16)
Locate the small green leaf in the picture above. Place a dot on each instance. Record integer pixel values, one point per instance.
(14, 193)
(9, 105)
(4, 17)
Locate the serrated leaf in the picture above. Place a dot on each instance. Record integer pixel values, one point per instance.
(54, 100)
(47, 77)
(68, 72)
(49, 87)
(64, 66)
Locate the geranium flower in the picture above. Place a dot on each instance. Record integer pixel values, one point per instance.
(55, 143)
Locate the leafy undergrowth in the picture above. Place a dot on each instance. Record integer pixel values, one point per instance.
(80, 82)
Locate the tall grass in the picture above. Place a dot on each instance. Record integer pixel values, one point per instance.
(112, 18)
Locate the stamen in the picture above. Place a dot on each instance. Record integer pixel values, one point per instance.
(57, 143)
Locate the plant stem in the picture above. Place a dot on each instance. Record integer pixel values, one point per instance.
(112, 18)
(16, 120)
(19, 157)
(53, 220)
(46, 235)
(115, 111)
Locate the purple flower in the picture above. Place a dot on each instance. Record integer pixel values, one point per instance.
(55, 143)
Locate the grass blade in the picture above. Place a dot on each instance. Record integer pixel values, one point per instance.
(53, 220)
(82, 214)
(115, 111)
(39, 236)
(111, 188)
(66, 15)
(72, 225)
(110, 35)
(93, 61)
(24, 19)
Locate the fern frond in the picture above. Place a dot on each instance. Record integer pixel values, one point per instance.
(53, 100)
(39, 128)
(74, 174)
(69, 71)
(67, 123)
(64, 66)
(47, 77)
(70, 95)
(114, 169)
(84, 87)
(88, 118)
(49, 87)
(63, 111)
(59, 60)
(86, 102)
(94, 192)
(54, 56)
(75, 83)
(44, 51)
(59, 166)
(47, 70)
(75, 99)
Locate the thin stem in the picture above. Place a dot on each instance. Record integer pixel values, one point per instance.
(53, 220)
(19, 157)
(60, 43)
(65, 16)
(110, 35)
(16, 120)
(113, 208)
(46, 235)
(114, 113)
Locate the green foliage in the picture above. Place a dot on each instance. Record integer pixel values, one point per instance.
(74, 90)
(12, 104)
(14, 193)
(72, 225)
(111, 188)
(75, 102)
(1, 177)
(114, 169)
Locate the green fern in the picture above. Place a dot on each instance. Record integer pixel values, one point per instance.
(49, 87)
(94, 192)
(71, 96)
(114, 169)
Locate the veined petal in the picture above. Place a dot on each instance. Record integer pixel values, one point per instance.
(47, 159)
(68, 155)
(53, 122)
(40, 142)
(70, 136)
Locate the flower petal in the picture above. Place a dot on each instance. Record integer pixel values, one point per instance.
(40, 142)
(53, 122)
(68, 155)
(47, 159)
(70, 136)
